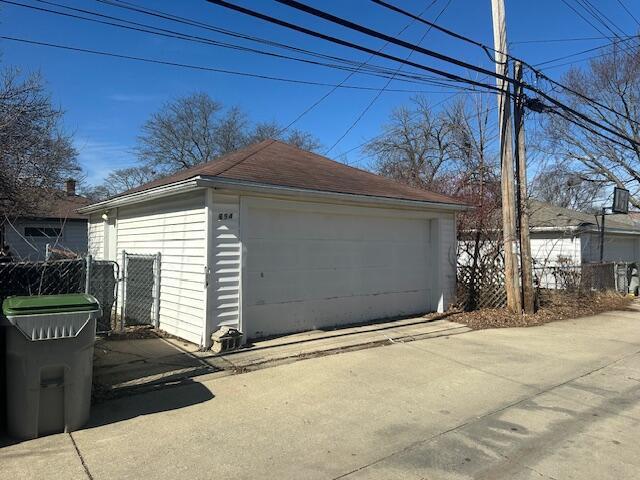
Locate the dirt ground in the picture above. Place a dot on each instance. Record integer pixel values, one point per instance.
(554, 306)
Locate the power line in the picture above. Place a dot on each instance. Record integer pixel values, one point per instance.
(201, 67)
(628, 49)
(139, 27)
(589, 129)
(431, 107)
(317, 102)
(382, 36)
(430, 24)
(562, 40)
(370, 32)
(485, 48)
(600, 17)
(588, 50)
(338, 41)
(583, 17)
(635, 19)
(381, 91)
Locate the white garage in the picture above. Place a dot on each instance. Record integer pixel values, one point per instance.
(274, 240)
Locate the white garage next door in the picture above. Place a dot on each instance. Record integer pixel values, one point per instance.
(313, 266)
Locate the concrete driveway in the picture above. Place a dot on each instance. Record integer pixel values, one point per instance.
(559, 401)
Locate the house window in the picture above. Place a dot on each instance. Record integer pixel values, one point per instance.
(49, 232)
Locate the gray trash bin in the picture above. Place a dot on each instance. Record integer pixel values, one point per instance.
(49, 362)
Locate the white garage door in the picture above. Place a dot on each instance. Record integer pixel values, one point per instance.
(313, 266)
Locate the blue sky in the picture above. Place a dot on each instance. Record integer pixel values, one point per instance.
(107, 100)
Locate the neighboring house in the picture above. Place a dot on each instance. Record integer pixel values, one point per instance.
(272, 239)
(560, 236)
(58, 224)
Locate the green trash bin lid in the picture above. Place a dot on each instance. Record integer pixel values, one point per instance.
(43, 304)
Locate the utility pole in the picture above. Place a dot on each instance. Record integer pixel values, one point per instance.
(512, 285)
(526, 263)
(602, 217)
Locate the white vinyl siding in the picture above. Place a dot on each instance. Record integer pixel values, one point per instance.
(447, 255)
(96, 236)
(225, 261)
(175, 227)
(73, 237)
(552, 249)
(617, 248)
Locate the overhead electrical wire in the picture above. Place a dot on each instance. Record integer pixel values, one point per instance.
(538, 72)
(201, 67)
(628, 49)
(448, 76)
(599, 16)
(562, 40)
(320, 100)
(368, 31)
(140, 27)
(589, 50)
(384, 87)
(624, 7)
(577, 12)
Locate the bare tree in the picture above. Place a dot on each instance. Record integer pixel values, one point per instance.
(559, 185)
(613, 80)
(295, 137)
(189, 131)
(451, 151)
(414, 147)
(197, 129)
(119, 181)
(36, 156)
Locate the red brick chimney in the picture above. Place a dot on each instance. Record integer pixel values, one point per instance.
(71, 187)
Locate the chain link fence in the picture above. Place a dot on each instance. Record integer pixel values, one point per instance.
(611, 276)
(83, 275)
(141, 289)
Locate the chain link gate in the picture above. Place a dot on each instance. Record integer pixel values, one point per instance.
(103, 277)
(140, 289)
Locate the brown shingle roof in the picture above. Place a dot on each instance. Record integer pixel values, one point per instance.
(61, 205)
(275, 163)
(545, 215)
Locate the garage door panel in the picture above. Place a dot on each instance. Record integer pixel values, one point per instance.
(309, 269)
(269, 254)
(264, 255)
(294, 225)
(296, 285)
(274, 319)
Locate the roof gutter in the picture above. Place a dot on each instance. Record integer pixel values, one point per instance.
(261, 188)
(146, 195)
(264, 188)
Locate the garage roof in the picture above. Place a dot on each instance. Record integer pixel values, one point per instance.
(547, 216)
(276, 163)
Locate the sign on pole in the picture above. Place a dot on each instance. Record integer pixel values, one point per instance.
(620, 200)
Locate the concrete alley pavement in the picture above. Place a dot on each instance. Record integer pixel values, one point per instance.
(559, 401)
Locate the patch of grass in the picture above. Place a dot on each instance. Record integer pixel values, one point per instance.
(554, 306)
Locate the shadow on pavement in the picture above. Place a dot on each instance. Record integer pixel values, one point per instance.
(155, 399)
(159, 398)
(130, 366)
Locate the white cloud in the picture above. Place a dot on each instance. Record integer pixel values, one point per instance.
(132, 98)
(99, 158)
